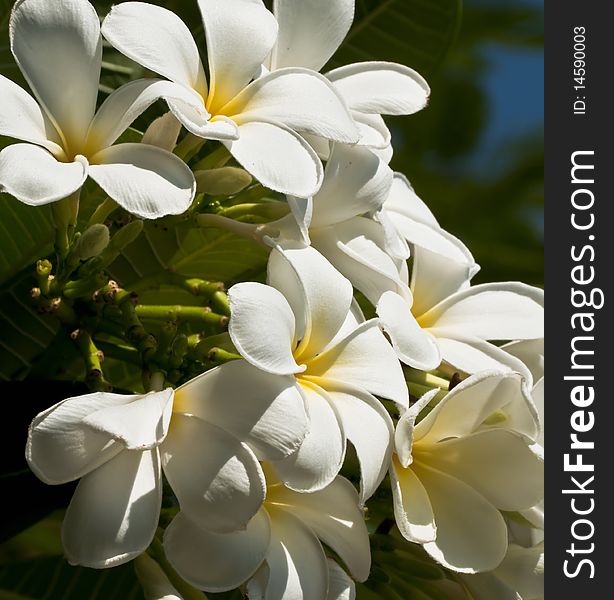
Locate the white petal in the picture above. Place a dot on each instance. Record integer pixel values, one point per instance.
(374, 134)
(364, 359)
(438, 273)
(385, 154)
(35, 177)
(355, 182)
(240, 35)
(297, 564)
(414, 346)
(368, 426)
(335, 517)
(413, 512)
(404, 432)
(531, 353)
(381, 88)
(113, 514)
(471, 355)
(147, 181)
(195, 118)
(353, 319)
(497, 463)
(302, 211)
(163, 132)
(141, 424)
(319, 458)
(463, 410)
(356, 248)
(340, 586)
(471, 533)
(262, 327)
(310, 32)
(216, 562)
(436, 240)
(320, 297)
(23, 119)
(302, 100)
(396, 244)
(278, 157)
(491, 311)
(157, 39)
(404, 200)
(46, 35)
(320, 145)
(126, 103)
(523, 570)
(216, 478)
(61, 448)
(265, 411)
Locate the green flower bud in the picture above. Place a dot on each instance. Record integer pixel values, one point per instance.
(92, 242)
(223, 181)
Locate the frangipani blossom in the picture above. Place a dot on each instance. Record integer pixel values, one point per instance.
(439, 315)
(466, 460)
(280, 551)
(258, 121)
(310, 32)
(302, 326)
(118, 445)
(58, 48)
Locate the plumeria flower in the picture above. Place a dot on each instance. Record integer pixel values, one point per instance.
(438, 315)
(519, 577)
(280, 551)
(301, 326)
(531, 353)
(118, 445)
(467, 459)
(258, 121)
(310, 33)
(58, 48)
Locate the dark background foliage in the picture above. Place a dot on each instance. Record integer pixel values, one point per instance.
(475, 156)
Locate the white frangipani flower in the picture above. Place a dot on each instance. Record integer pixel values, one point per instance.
(439, 315)
(258, 121)
(460, 465)
(117, 445)
(58, 48)
(310, 32)
(280, 550)
(302, 326)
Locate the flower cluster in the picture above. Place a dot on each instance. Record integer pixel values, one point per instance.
(253, 454)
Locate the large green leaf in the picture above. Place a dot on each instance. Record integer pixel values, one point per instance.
(52, 578)
(416, 33)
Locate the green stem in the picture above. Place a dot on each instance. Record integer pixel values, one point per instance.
(92, 358)
(218, 158)
(188, 146)
(269, 210)
(187, 592)
(246, 230)
(198, 315)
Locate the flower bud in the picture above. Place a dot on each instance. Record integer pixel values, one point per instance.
(223, 181)
(92, 242)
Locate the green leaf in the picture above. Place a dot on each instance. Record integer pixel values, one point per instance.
(52, 578)
(210, 253)
(417, 33)
(25, 333)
